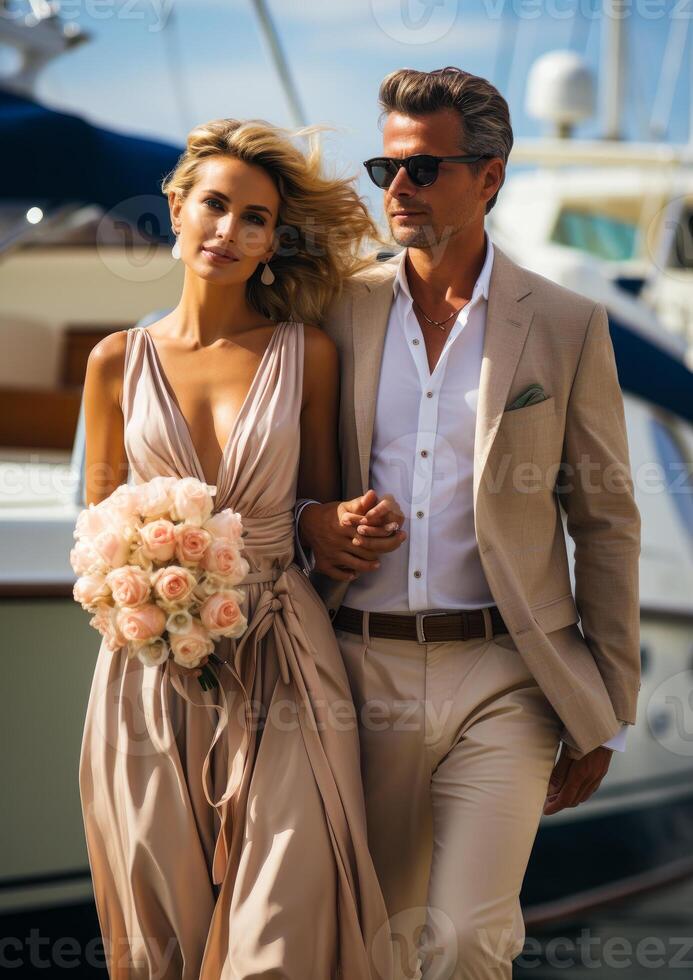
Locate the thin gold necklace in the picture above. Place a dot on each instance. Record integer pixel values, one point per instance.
(437, 323)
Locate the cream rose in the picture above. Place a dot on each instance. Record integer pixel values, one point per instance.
(158, 540)
(173, 584)
(142, 623)
(191, 543)
(90, 590)
(112, 548)
(105, 621)
(84, 558)
(190, 648)
(226, 524)
(93, 520)
(129, 585)
(123, 504)
(179, 621)
(155, 498)
(192, 501)
(222, 558)
(151, 652)
(221, 614)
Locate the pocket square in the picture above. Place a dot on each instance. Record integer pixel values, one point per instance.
(535, 393)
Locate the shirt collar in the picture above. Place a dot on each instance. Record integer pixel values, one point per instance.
(481, 286)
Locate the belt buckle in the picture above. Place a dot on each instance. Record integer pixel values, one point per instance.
(420, 635)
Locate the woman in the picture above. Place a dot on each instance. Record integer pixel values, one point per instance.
(226, 829)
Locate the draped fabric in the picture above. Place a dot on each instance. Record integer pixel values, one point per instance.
(226, 829)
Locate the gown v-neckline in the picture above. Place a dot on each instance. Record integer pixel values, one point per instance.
(173, 401)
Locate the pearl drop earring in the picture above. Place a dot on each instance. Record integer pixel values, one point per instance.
(267, 277)
(175, 251)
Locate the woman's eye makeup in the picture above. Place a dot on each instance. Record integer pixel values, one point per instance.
(256, 219)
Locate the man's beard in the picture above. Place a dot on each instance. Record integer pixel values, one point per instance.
(419, 236)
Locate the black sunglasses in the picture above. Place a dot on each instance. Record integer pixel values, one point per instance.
(422, 168)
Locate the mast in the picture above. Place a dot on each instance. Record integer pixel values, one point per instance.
(612, 65)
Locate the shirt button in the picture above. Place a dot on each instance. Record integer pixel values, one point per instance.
(417, 573)
(429, 394)
(424, 453)
(415, 342)
(419, 513)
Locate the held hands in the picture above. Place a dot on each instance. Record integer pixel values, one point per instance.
(347, 538)
(574, 780)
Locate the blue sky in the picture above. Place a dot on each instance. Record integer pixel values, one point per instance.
(157, 67)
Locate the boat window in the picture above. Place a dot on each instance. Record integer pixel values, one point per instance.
(677, 470)
(604, 235)
(681, 255)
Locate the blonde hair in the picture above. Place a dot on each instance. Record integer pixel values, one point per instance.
(326, 221)
(484, 113)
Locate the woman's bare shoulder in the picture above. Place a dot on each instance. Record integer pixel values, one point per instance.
(319, 346)
(106, 360)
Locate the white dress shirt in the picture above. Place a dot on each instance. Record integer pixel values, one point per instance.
(423, 453)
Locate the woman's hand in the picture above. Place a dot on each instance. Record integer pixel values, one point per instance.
(198, 670)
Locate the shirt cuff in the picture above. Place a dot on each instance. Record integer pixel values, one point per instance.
(617, 741)
(306, 556)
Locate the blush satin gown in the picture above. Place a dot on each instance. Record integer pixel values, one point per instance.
(226, 829)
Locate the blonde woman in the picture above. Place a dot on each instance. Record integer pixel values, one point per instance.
(225, 842)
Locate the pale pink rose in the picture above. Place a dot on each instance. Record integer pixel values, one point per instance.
(221, 614)
(191, 543)
(155, 498)
(173, 584)
(105, 621)
(158, 540)
(141, 623)
(151, 652)
(192, 501)
(83, 558)
(223, 558)
(112, 547)
(90, 590)
(129, 585)
(190, 648)
(226, 524)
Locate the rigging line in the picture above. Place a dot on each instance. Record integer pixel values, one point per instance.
(269, 33)
(660, 117)
(174, 63)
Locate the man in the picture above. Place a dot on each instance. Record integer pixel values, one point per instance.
(482, 396)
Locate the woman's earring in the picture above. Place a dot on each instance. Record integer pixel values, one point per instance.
(175, 251)
(267, 277)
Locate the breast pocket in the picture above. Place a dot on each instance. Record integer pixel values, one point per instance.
(516, 418)
(527, 443)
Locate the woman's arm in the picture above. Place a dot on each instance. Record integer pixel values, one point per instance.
(318, 475)
(106, 459)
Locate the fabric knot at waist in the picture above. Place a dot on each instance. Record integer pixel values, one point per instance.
(273, 613)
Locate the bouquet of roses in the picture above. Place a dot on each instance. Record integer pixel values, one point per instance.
(157, 569)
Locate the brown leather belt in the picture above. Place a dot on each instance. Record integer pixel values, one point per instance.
(433, 627)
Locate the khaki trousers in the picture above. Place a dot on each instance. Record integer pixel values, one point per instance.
(457, 746)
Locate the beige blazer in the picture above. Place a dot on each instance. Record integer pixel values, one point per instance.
(536, 332)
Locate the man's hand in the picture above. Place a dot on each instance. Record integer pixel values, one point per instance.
(574, 780)
(343, 553)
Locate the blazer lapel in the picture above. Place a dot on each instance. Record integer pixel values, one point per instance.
(508, 320)
(371, 311)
